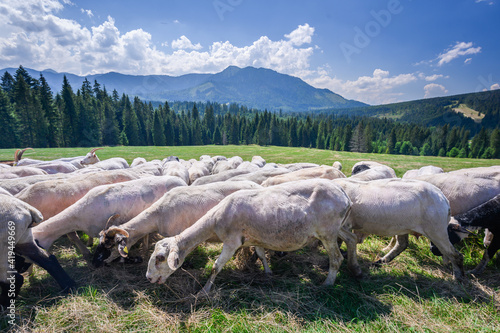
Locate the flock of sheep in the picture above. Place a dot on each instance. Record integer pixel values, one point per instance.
(239, 203)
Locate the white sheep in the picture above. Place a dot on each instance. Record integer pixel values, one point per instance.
(261, 175)
(258, 161)
(220, 176)
(197, 170)
(371, 170)
(389, 207)
(323, 171)
(467, 189)
(425, 170)
(16, 185)
(20, 171)
(90, 213)
(283, 218)
(137, 161)
(297, 166)
(53, 196)
(177, 210)
(175, 168)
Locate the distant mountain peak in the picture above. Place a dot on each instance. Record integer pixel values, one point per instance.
(259, 88)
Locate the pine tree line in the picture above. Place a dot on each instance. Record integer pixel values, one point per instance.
(30, 116)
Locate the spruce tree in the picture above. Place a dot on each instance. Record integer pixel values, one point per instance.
(51, 114)
(69, 115)
(24, 111)
(8, 123)
(130, 123)
(158, 135)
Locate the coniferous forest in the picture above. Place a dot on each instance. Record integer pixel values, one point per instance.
(90, 116)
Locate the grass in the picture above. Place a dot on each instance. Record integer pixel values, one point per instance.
(413, 293)
(470, 113)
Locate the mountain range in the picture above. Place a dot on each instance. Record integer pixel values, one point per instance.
(258, 88)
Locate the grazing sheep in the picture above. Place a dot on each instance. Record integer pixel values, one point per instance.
(337, 165)
(258, 161)
(66, 192)
(486, 215)
(370, 170)
(16, 185)
(20, 171)
(90, 213)
(220, 177)
(197, 170)
(467, 189)
(298, 212)
(425, 170)
(261, 175)
(298, 166)
(113, 163)
(137, 161)
(248, 166)
(177, 210)
(225, 165)
(323, 171)
(16, 221)
(359, 167)
(175, 168)
(389, 207)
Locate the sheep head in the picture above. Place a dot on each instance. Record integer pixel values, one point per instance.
(165, 260)
(91, 157)
(115, 235)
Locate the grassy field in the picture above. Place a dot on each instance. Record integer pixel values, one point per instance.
(413, 293)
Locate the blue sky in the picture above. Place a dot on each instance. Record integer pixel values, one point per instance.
(373, 51)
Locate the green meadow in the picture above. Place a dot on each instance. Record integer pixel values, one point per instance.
(414, 293)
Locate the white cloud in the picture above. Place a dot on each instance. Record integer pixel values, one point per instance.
(184, 43)
(431, 78)
(87, 11)
(467, 61)
(495, 86)
(302, 35)
(488, 1)
(434, 90)
(460, 49)
(32, 34)
(380, 88)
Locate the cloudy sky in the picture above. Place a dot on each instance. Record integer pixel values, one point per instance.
(373, 51)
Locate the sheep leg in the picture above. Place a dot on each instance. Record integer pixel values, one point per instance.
(332, 248)
(401, 245)
(351, 242)
(261, 253)
(489, 253)
(47, 261)
(79, 244)
(443, 244)
(228, 250)
(145, 245)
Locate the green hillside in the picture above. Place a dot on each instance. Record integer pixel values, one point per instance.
(440, 111)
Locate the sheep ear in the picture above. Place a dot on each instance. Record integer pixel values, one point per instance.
(173, 260)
